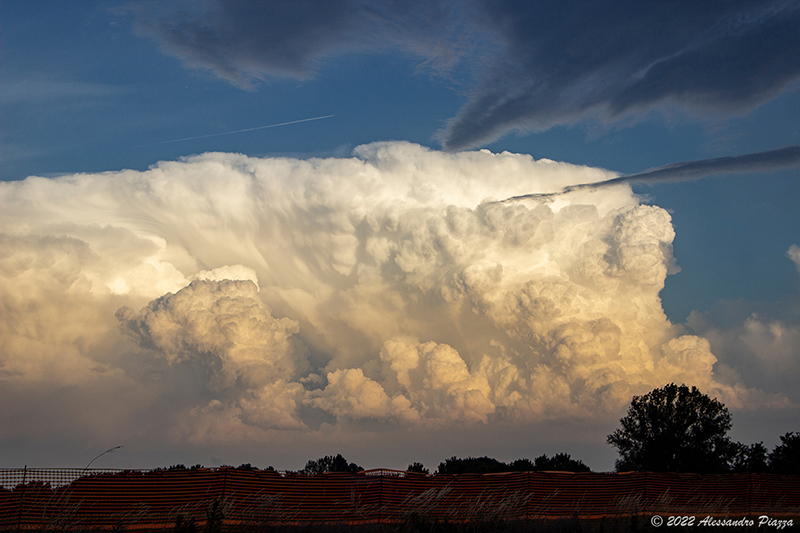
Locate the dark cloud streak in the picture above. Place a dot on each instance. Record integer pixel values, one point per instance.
(781, 158)
(244, 41)
(565, 62)
(786, 157)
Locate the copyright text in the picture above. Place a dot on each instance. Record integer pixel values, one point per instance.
(710, 521)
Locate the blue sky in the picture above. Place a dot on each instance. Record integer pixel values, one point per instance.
(89, 87)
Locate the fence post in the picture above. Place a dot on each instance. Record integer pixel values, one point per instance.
(646, 496)
(22, 497)
(529, 494)
(749, 492)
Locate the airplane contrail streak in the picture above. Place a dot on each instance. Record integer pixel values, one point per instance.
(244, 130)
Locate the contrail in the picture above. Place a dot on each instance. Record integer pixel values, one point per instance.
(786, 157)
(244, 130)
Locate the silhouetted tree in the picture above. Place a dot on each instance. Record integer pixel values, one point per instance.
(486, 465)
(674, 429)
(472, 465)
(785, 458)
(752, 459)
(522, 465)
(417, 467)
(329, 463)
(561, 462)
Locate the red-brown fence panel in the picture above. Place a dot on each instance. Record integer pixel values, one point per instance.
(67, 499)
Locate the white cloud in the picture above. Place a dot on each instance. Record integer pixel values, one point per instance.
(794, 254)
(350, 394)
(223, 325)
(224, 329)
(228, 272)
(760, 344)
(280, 294)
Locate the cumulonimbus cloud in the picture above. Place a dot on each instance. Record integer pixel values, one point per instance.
(534, 64)
(277, 294)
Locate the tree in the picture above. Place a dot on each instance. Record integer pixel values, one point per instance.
(486, 465)
(522, 465)
(329, 463)
(418, 468)
(785, 458)
(674, 429)
(472, 465)
(751, 459)
(561, 462)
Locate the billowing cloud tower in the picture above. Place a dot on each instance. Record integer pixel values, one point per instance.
(244, 295)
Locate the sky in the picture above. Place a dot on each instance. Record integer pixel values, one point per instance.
(262, 233)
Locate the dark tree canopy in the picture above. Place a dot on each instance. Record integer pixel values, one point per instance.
(471, 465)
(486, 465)
(785, 458)
(418, 468)
(329, 463)
(560, 462)
(750, 459)
(522, 465)
(674, 429)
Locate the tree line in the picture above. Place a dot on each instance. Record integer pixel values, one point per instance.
(670, 429)
(454, 465)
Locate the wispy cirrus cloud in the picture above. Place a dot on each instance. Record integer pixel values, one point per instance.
(39, 90)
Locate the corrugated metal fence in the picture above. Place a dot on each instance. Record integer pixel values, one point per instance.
(74, 498)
